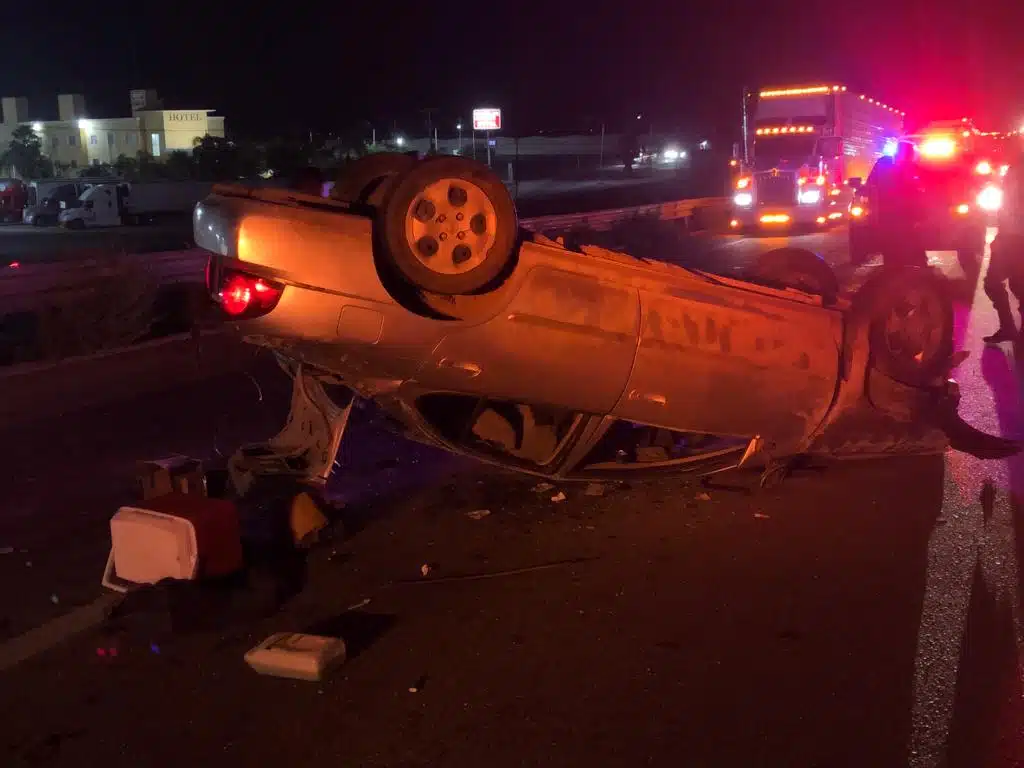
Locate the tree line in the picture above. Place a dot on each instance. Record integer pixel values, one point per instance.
(212, 158)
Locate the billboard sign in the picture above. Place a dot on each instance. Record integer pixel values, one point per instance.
(487, 119)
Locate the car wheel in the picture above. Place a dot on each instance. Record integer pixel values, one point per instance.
(368, 179)
(797, 268)
(910, 312)
(448, 226)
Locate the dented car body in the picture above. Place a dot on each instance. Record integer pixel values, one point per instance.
(580, 363)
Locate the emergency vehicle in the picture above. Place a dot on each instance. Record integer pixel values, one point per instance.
(942, 191)
(807, 142)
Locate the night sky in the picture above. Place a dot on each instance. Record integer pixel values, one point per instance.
(551, 65)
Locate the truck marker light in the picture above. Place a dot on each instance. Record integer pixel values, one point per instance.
(983, 168)
(775, 218)
(743, 199)
(963, 208)
(743, 183)
(857, 211)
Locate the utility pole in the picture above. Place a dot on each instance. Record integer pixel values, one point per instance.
(746, 157)
(429, 112)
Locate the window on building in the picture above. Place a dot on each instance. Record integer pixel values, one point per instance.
(130, 139)
(154, 140)
(55, 141)
(92, 140)
(74, 163)
(72, 140)
(110, 139)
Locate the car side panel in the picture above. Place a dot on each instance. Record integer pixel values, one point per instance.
(565, 338)
(722, 360)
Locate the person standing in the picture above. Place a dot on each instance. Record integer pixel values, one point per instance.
(1006, 260)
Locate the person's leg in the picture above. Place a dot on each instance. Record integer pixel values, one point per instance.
(1014, 266)
(995, 277)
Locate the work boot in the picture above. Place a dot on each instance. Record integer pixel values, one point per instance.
(1003, 334)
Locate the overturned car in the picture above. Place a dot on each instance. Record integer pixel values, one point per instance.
(414, 286)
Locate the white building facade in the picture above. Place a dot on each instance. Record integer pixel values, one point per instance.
(75, 140)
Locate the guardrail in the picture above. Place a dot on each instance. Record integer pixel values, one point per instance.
(598, 220)
(22, 285)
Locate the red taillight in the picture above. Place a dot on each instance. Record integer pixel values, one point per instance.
(242, 294)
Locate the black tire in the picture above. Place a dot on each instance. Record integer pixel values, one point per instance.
(453, 213)
(76, 224)
(369, 178)
(796, 268)
(916, 356)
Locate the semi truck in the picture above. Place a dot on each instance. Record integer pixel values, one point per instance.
(46, 198)
(119, 203)
(12, 199)
(803, 144)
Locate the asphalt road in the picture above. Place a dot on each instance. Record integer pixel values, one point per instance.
(867, 614)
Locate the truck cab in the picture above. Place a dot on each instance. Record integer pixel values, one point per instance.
(807, 142)
(101, 205)
(46, 198)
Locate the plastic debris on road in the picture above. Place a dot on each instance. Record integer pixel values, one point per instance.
(478, 514)
(702, 496)
(297, 656)
(6, 550)
(761, 516)
(594, 489)
(558, 497)
(425, 569)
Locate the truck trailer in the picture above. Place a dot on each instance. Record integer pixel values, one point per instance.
(116, 204)
(804, 144)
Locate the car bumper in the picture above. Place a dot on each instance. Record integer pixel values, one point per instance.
(781, 217)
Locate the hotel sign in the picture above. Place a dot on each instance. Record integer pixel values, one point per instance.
(185, 117)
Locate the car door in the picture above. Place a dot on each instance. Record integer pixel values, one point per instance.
(719, 359)
(564, 339)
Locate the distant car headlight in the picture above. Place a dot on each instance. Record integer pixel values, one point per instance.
(990, 199)
(670, 155)
(810, 196)
(743, 199)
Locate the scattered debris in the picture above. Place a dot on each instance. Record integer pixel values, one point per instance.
(558, 497)
(542, 487)
(478, 514)
(54, 599)
(497, 574)
(419, 685)
(762, 516)
(425, 569)
(594, 489)
(6, 550)
(702, 496)
(357, 606)
(297, 656)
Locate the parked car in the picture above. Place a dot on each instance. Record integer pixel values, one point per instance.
(414, 286)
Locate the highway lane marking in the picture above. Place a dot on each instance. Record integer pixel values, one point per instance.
(54, 632)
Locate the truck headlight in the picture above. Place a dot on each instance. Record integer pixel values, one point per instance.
(743, 199)
(810, 196)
